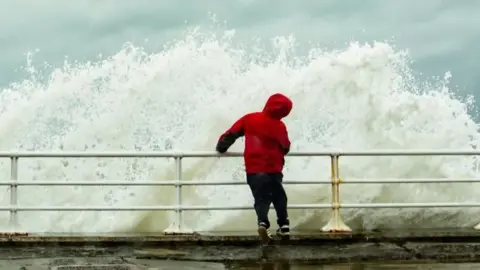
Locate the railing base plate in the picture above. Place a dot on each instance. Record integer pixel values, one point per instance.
(174, 229)
(336, 224)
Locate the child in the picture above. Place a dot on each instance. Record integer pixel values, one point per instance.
(266, 144)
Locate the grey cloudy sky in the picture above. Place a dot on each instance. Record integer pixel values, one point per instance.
(441, 35)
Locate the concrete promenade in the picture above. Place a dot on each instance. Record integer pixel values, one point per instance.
(62, 250)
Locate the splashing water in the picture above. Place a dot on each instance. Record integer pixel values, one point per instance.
(182, 98)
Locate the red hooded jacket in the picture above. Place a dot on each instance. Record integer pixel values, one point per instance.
(266, 137)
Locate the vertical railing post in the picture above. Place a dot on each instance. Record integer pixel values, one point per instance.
(335, 224)
(13, 192)
(178, 226)
(178, 189)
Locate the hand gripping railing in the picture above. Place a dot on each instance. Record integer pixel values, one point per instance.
(335, 223)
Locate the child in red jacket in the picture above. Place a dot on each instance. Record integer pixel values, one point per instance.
(266, 144)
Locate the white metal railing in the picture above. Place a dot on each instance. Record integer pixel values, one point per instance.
(335, 223)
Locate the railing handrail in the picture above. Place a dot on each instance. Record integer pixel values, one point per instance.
(151, 183)
(233, 183)
(335, 224)
(237, 207)
(199, 154)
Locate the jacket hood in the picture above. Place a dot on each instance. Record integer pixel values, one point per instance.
(278, 106)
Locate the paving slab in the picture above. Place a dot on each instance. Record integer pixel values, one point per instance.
(132, 251)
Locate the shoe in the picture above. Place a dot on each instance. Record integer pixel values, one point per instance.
(283, 231)
(264, 233)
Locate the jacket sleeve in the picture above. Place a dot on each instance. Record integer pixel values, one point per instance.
(231, 135)
(283, 138)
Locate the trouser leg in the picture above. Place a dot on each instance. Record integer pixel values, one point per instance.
(259, 185)
(279, 199)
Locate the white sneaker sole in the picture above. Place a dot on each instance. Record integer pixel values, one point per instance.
(284, 236)
(263, 233)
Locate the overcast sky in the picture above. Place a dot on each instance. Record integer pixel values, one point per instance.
(441, 35)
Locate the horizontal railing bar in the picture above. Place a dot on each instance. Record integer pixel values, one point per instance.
(124, 154)
(152, 208)
(409, 152)
(159, 183)
(214, 183)
(208, 207)
(200, 154)
(409, 180)
(408, 205)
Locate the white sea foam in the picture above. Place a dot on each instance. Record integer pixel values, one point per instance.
(182, 98)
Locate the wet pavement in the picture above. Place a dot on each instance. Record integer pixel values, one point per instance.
(241, 258)
(358, 266)
(319, 254)
(247, 237)
(242, 251)
(105, 263)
